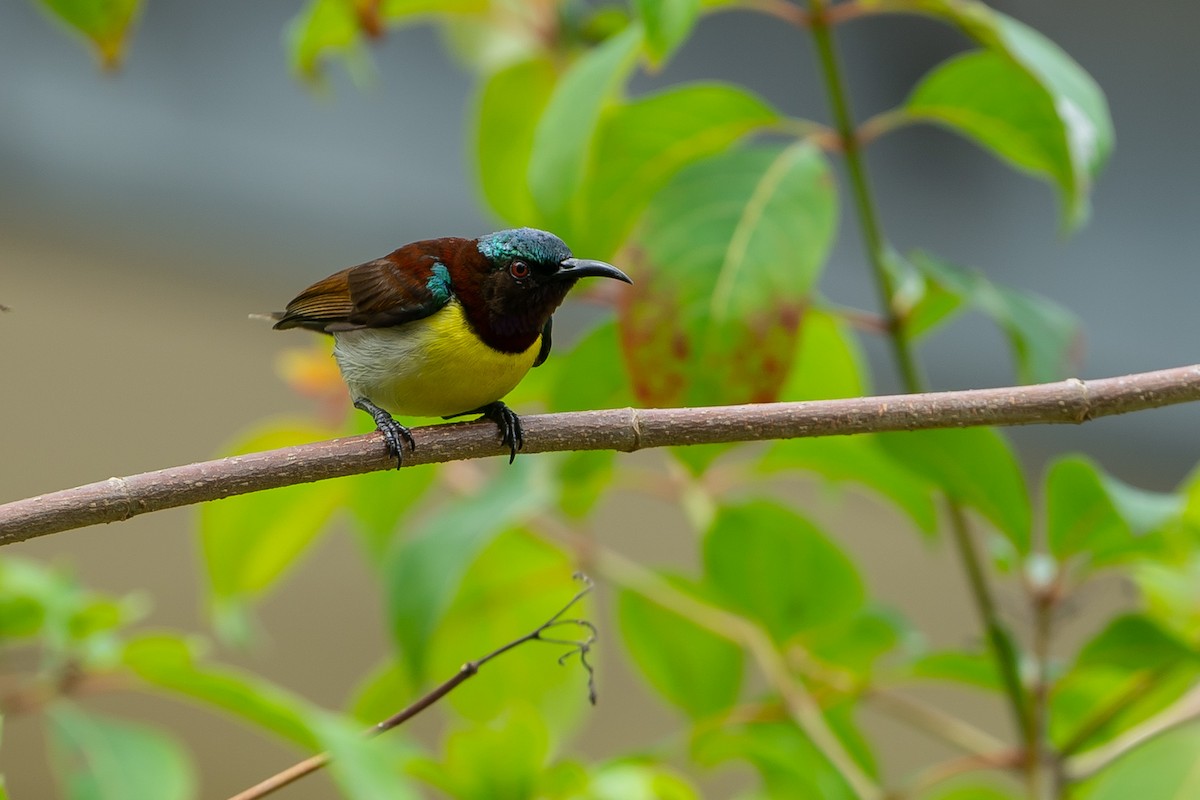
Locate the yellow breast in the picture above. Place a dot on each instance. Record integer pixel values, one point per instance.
(433, 367)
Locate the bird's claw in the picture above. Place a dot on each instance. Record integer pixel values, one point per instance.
(511, 434)
(395, 435)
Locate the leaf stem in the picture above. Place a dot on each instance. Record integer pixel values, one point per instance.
(877, 252)
(872, 234)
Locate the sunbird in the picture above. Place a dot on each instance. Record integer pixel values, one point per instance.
(444, 327)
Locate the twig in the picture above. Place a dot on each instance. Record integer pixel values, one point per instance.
(626, 429)
(932, 720)
(467, 670)
(1184, 710)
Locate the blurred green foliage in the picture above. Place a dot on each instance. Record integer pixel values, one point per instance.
(723, 209)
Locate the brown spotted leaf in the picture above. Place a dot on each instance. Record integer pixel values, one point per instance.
(727, 254)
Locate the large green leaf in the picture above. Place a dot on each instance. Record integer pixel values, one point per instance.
(1053, 120)
(567, 128)
(692, 667)
(510, 105)
(643, 143)
(774, 565)
(101, 758)
(858, 459)
(105, 23)
(168, 662)
(1044, 336)
(1086, 515)
(422, 573)
(667, 24)
(974, 466)
(252, 540)
(731, 249)
(1164, 768)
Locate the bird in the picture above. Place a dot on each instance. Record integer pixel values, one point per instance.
(444, 327)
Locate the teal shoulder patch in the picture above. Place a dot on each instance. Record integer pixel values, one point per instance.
(439, 284)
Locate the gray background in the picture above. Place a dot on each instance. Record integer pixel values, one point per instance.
(143, 214)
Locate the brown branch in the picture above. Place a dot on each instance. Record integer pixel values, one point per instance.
(626, 430)
(466, 671)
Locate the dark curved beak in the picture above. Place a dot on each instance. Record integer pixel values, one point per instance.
(587, 268)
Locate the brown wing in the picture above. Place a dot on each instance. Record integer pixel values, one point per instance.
(407, 285)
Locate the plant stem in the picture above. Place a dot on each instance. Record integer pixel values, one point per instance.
(877, 253)
(860, 188)
(998, 638)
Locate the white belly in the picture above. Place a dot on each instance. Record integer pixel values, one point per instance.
(433, 367)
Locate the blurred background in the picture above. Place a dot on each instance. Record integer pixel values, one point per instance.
(144, 214)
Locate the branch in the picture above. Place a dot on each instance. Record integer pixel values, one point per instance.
(467, 670)
(626, 430)
(1184, 710)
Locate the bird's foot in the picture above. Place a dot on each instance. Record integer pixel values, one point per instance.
(509, 424)
(394, 434)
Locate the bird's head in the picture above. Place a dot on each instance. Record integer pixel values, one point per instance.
(528, 272)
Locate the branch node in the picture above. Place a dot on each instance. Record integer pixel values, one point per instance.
(1085, 412)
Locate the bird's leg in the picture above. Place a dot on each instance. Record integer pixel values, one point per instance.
(394, 434)
(506, 420)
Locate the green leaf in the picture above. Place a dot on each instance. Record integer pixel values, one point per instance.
(383, 692)
(667, 24)
(785, 759)
(1057, 126)
(1043, 335)
(322, 29)
(501, 760)
(380, 500)
(628, 780)
(514, 586)
(857, 644)
(251, 541)
(972, 669)
(971, 789)
(829, 363)
(335, 29)
(1171, 594)
(512, 101)
(642, 144)
(363, 768)
(101, 758)
(167, 661)
(422, 573)
(1135, 642)
(564, 135)
(1080, 516)
(858, 459)
(1164, 768)
(774, 565)
(591, 375)
(692, 667)
(105, 23)
(989, 98)
(973, 465)
(731, 248)
(584, 476)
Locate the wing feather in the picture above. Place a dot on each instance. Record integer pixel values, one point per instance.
(399, 288)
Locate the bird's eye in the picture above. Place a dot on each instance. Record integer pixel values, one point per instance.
(518, 269)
